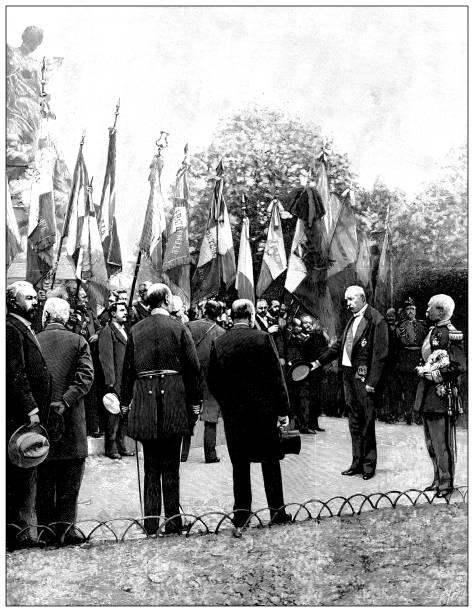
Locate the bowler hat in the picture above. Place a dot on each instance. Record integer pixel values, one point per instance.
(28, 446)
(111, 403)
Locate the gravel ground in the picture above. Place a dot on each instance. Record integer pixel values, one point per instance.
(407, 556)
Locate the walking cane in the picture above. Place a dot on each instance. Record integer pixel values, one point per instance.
(138, 476)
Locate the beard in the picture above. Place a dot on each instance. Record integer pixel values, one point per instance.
(29, 315)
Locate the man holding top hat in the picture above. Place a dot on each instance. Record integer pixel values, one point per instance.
(362, 350)
(28, 389)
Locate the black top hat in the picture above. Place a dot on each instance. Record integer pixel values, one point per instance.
(299, 370)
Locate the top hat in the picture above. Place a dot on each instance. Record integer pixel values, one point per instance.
(299, 370)
(28, 446)
(111, 403)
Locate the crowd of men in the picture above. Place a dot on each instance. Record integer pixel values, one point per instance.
(152, 370)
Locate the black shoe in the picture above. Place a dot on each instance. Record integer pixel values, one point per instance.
(114, 456)
(127, 454)
(351, 472)
(308, 431)
(444, 493)
(215, 460)
(96, 434)
(177, 528)
(237, 532)
(368, 476)
(319, 429)
(281, 518)
(73, 540)
(431, 487)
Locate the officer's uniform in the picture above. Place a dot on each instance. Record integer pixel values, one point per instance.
(438, 401)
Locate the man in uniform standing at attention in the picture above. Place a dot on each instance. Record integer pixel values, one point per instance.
(28, 390)
(437, 396)
(246, 378)
(162, 375)
(362, 350)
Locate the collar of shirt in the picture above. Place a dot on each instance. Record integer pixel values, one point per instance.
(121, 329)
(443, 322)
(161, 311)
(360, 312)
(20, 318)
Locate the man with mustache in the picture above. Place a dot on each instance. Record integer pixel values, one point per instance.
(362, 350)
(28, 389)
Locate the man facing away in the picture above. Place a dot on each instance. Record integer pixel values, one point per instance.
(69, 360)
(112, 344)
(204, 331)
(438, 395)
(246, 378)
(362, 350)
(140, 309)
(28, 389)
(162, 375)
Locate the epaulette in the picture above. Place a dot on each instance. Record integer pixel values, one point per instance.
(455, 335)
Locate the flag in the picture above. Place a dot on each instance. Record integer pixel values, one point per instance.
(216, 258)
(244, 279)
(343, 247)
(363, 264)
(42, 219)
(76, 209)
(383, 288)
(274, 256)
(107, 220)
(331, 204)
(176, 260)
(154, 225)
(89, 258)
(13, 239)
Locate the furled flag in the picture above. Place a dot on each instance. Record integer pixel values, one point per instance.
(274, 256)
(343, 247)
(216, 259)
(176, 260)
(89, 258)
(383, 289)
(76, 209)
(244, 279)
(13, 239)
(363, 265)
(332, 204)
(42, 219)
(106, 217)
(154, 225)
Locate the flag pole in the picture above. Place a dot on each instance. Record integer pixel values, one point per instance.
(67, 218)
(161, 146)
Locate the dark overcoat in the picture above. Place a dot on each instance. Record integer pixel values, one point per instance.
(369, 349)
(247, 380)
(28, 381)
(445, 337)
(69, 360)
(204, 332)
(112, 345)
(161, 405)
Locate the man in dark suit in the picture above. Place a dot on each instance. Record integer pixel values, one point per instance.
(112, 344)
(69, 360)
(204, 331)
(162, 375)
(438, 396)
(246, 378)
(140, 309)
(28, 389)
(362, 350)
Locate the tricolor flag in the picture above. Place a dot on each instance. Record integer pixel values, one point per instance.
(76, 209)
(13, 239)
(363, 264)
(42, 218)
(383, 289)
(216, 258)
(176, 260)
(244, 279)
(154, 225)
(106, 217)
(274, 256)
(343, 248)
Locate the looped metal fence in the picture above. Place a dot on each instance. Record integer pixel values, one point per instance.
(127, 528)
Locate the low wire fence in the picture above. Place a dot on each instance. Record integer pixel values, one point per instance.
(125, 528)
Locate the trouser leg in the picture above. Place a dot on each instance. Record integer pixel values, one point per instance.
(439, 431)
(20, 501)
(46, 495)
(69, 474)
(111, 429)
(272, 481)
(152, 483)
(185, 447)
(121, 433)
(314, 402)
(170, 480)
(210, 435)
(354, 417)
(242, 491)
(430, 448)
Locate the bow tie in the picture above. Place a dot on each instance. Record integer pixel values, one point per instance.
(358, 314)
